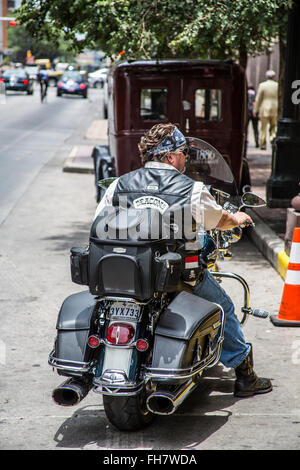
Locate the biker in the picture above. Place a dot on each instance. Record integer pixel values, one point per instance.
(43, 79)
(164, 152)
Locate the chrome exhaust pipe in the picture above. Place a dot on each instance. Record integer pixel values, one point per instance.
(166, 402)
(71, 392)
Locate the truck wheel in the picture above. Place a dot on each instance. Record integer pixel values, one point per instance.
(128, 413)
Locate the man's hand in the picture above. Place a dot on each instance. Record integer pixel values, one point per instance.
(229, 221)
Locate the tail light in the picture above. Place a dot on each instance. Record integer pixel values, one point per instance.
(25, 82)
(59, 84)
(82, 86)
(2, 80)
(120, 333)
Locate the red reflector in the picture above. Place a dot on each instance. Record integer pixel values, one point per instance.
(142, 345)
(93, 341)
(82, 86)
(120, 333)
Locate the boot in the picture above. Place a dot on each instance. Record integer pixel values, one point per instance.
(247, 383)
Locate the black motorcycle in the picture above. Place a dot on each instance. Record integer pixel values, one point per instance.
(138, 335)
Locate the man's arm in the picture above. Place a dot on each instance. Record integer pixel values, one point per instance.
(229, 221)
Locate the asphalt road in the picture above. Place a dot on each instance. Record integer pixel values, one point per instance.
(47, 212)
(30, 135)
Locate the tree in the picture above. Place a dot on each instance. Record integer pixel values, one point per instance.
(160, 28)
(20, 41)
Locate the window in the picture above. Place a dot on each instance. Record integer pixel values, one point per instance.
(153, 104)
(208, 104)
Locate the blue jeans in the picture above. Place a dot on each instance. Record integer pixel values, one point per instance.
(235, 348)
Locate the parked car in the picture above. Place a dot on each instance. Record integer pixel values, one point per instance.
(205, 99)
(97, 79)
(17, 80)
(72, 83)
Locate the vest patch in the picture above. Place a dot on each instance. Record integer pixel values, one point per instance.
(151, 202)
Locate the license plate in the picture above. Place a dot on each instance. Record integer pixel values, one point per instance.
(125, 310)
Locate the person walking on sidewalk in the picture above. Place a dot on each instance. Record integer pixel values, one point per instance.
(251, 118)
(266, 107)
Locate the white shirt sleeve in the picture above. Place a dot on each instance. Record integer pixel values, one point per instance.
(107, 198)
(205, 210)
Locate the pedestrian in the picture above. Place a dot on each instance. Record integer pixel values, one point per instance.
(164, 152)
(251, 117)
(266, 107)
(43, 79)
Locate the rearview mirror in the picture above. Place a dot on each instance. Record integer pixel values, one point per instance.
(252, 200)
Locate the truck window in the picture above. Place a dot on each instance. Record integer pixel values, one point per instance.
(208, 104)
(153, 104)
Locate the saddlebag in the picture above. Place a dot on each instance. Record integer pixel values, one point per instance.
(71, 354)
(185, 333)
(79, 260)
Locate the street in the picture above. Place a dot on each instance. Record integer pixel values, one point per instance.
(43, 213)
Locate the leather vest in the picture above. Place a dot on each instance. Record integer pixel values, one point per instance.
(163, 190)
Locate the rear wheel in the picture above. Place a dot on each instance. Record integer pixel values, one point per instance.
(128, 413)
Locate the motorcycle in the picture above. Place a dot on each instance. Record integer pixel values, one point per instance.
(139, 336)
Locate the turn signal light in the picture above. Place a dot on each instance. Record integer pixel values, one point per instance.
(120, 333)
(94, 341)
(142, 345)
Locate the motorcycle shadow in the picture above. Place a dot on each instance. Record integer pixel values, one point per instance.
(203, 413)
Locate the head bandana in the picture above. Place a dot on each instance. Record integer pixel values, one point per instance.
(169, 143)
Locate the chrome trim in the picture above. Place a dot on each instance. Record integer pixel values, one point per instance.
(124, 299)
(70, 366)
(246, 308)
(114, 382)
(173, 400)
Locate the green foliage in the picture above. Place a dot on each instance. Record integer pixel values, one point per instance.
(20, 41)
(159, 28)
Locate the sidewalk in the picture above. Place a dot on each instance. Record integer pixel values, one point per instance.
(270, 223)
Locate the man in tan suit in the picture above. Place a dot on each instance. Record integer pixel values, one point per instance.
(266, 106)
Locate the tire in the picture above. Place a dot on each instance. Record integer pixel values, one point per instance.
(127, 413)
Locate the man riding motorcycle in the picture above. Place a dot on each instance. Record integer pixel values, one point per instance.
(164, 152)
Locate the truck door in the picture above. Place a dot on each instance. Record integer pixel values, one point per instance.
(205, 109)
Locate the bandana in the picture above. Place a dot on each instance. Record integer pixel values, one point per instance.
(169, 143)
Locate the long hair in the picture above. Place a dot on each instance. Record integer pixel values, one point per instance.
(151, 139)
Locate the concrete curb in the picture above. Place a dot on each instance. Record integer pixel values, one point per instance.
(270, 245)
(80, 158)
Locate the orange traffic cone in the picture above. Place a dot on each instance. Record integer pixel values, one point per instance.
(289, 312)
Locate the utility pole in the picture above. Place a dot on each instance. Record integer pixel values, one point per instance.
(283, 183)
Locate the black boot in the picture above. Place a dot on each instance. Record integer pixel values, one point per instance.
(247, 383)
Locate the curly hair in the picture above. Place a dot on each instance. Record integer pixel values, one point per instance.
(151, 139)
